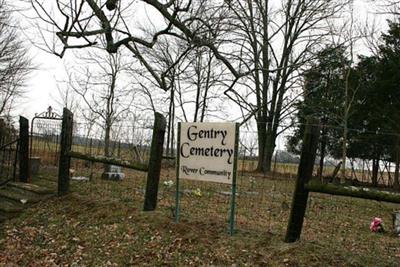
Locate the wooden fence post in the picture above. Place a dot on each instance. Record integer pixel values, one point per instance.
(23, 157)
(156, 154)
(2, 131)
(300, 195)
(65, 147)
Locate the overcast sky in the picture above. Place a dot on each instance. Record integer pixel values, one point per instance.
(42, 85)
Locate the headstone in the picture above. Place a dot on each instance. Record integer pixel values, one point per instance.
(80, 178)
(114, 173)
(35, 164)
(396, 222)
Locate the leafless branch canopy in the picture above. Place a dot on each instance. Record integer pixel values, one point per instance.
(15, 65)
(79, 24)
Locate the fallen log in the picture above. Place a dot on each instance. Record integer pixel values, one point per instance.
(353, 191)
(113, 161)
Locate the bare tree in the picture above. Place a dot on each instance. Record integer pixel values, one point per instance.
(98, 85)
(372, 28)
(263, 42)
(194, 83)
(349, 95)
(198, 85)
(79, 24)
(274, 41)
(15, 64)
(65, 95)
(346, 34)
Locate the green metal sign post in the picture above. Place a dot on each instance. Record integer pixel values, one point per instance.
(233, 200)
(177, 175)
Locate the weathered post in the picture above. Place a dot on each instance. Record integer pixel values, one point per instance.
(23, 157)
(156, 153)
(300, 195)
(91, 162)
(2, 131)
(65, 147)
(119, 149)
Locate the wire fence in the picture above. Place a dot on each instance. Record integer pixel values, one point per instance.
(366, 162)
(128, 144)
(8, 151)
(261, 197)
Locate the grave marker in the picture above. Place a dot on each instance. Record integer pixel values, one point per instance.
(114, 173)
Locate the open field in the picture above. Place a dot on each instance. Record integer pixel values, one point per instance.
(48, 151)
(101, 224)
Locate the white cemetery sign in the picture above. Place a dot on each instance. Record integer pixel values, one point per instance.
(207, 151)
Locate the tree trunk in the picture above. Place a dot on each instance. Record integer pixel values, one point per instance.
(261, 134)
(336, 171)
(344, 151)
(363, 171)
(172, 129)
(268, 152)
(198, 85)
(170, 123)
(375, 170)
(322, 154)
(396, 183)
(206, 88)
(266, 143)
(107, 144)
(346, 109)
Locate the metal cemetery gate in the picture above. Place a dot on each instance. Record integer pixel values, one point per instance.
(45, 139)
(14, 151)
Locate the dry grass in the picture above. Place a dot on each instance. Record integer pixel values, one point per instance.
(101, 223)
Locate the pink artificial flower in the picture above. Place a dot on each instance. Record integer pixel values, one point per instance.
(376, 225)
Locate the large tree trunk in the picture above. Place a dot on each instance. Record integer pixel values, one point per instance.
(269, 151)
(266, 144)
(261, 134)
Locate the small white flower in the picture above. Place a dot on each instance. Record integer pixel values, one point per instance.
(168, 183)
(23, 201)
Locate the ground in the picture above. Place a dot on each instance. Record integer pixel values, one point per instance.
(101, 223)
